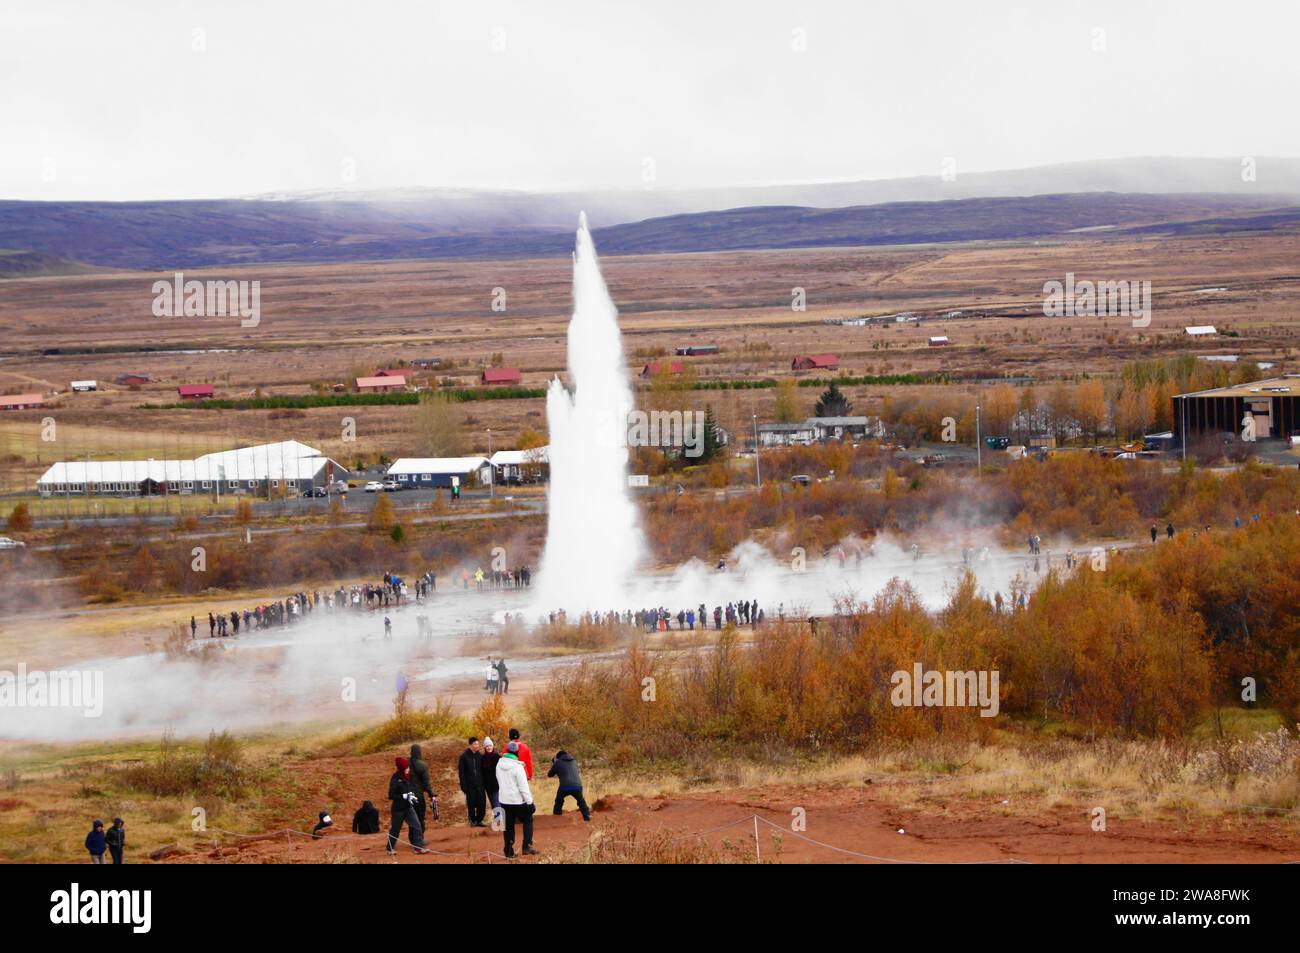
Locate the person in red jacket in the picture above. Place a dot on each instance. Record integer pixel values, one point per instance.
(525, 753)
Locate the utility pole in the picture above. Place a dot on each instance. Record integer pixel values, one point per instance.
(979, 447)
(1182, 417)
(492, 472)
(758, 473)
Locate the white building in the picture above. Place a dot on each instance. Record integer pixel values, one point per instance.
(521, 466)
(265, 469)
(786, 435)
(817, 429)
(438, 471)
(838, 428)
(83, 386)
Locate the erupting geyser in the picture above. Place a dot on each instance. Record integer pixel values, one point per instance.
(593, 540)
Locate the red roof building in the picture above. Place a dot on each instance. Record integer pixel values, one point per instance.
(377, 383)
(192, 391)
(815, 362)
(657, 367)
(502, 375)
(20, 401)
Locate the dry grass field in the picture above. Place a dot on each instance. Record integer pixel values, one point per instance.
(324, 324)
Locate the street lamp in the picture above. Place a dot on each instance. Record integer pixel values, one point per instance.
(492, 473)
(758, 473)
(1182, 417)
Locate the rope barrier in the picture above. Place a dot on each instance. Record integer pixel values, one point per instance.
(755, 819)
(855, 853)
(289, 832)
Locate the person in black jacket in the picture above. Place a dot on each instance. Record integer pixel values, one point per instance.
(420, 785)
(489, 765)
(366, 819)
(402, 798)
(566, 769)
(115, 837)
(470, 769)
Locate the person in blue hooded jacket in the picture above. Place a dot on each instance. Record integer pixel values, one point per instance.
(96, 843)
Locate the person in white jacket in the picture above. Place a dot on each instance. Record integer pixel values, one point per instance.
(516, 799)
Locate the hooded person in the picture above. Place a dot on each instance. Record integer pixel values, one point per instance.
(516, 799)
(95, 842)
(323, 822)
(566, 769)
(115, 837)
(489, 769)
(420, 784)
(470, 770)
(366, 819)
(525, 753)
(402, 798)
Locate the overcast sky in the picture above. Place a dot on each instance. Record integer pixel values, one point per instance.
(166, 99)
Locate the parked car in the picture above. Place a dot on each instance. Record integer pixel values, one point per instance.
(391, 486)
(374, 486)
(802, 479)
(339, 486)
(7, 543)
(315, 491)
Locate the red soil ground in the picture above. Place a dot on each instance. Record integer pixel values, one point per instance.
(844, 825)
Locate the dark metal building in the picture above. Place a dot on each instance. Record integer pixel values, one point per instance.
(1273, 405)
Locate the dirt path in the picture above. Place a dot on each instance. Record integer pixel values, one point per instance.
(844, 825)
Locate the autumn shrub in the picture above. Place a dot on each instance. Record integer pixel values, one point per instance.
(492, 719)
(792, 687)
(1075, 495)
(219, 770)
(20, 519)
(1146, 647)
(382, 515)
(1089, 652)
(627, 844)
(413, 724)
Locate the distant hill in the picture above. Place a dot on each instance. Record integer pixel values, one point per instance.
(899, 223)
(18, 263)
(460, 210)
(164, 235)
